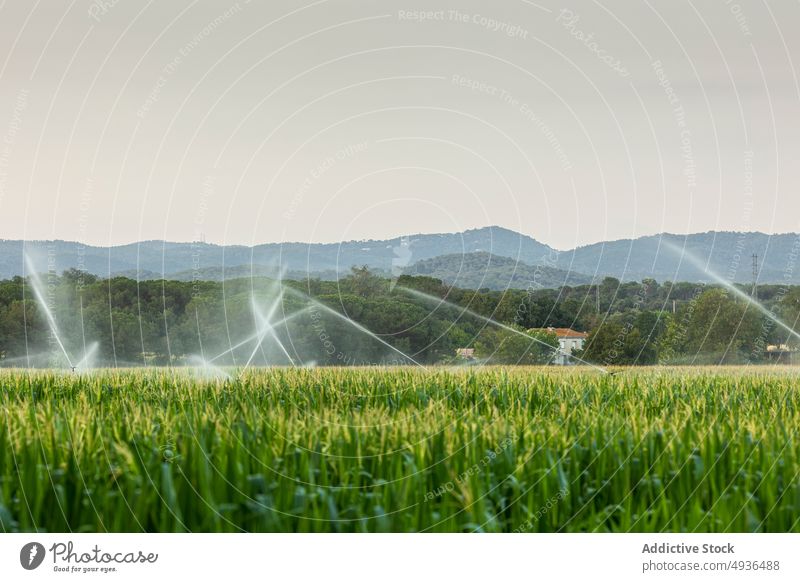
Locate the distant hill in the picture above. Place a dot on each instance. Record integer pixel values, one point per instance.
(726, 253)
(484, 270)
(158, 258)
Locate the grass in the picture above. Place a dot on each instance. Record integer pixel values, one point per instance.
(494, 449)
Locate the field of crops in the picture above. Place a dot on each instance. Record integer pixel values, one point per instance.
(493, 449)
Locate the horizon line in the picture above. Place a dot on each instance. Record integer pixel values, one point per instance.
(418, 234)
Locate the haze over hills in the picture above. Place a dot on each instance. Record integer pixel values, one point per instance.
(158, 258)
(492, 257)
(481, 270)
(673, 257)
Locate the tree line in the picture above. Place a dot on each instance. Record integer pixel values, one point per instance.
(412, 319)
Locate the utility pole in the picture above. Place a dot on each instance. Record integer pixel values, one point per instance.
(755, 276)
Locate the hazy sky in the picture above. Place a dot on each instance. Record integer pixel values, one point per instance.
(248, 122)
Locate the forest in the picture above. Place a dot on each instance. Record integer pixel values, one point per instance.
(409, 320)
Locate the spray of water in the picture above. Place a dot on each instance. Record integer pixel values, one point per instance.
(36, 285)
(83, 328)
(257, 334)
(206, 369)
(694, 260)
(490, 321)
(265, 327)
(87, 362)
(39, 357)
(356, 325)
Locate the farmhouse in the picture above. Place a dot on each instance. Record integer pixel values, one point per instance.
(780, 354)
(569, 341)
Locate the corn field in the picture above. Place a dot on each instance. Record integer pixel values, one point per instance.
(400, 450)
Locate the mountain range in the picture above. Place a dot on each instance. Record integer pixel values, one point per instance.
(491, 257)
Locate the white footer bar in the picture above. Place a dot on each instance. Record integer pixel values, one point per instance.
(401, 557)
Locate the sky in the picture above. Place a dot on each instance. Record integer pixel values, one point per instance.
(249, 122)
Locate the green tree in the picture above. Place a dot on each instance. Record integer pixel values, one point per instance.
(501, 346)
(714, 328)
(614, 343)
